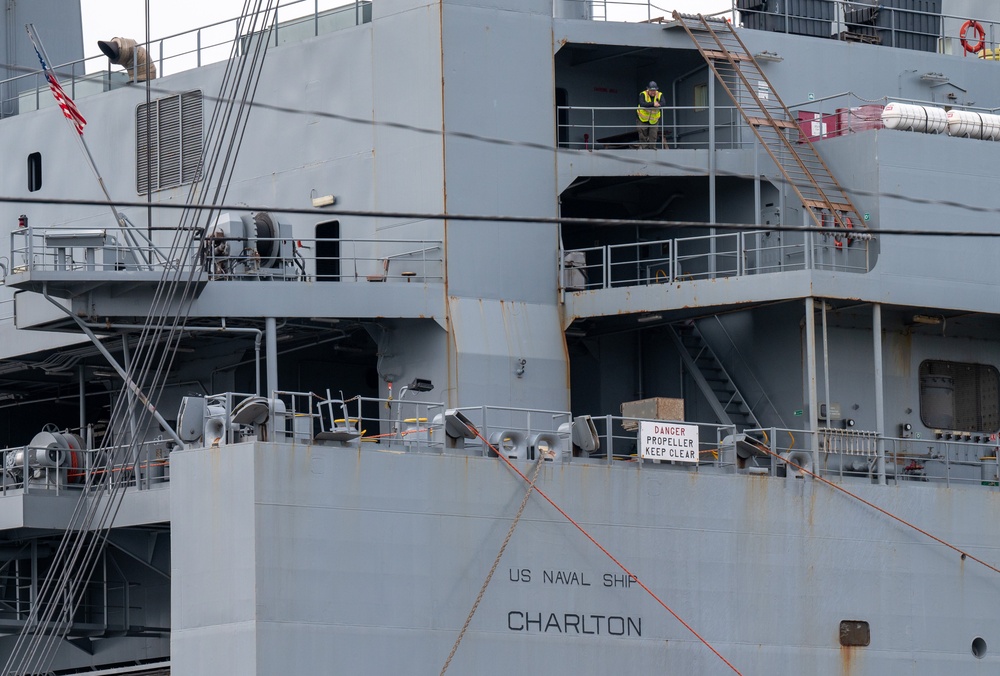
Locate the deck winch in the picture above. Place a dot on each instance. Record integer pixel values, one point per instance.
(49, 458)
(251, 246)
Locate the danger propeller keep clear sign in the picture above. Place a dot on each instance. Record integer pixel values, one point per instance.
(668, 441)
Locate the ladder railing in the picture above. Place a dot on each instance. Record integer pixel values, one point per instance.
(711, 377)
(826, 202)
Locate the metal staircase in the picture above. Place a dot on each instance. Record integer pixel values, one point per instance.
(763, 111)
(712, 379)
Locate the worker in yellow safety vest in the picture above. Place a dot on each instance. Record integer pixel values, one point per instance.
(648, 113)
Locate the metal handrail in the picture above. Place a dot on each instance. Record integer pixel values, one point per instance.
(40, 250)
(418, 426)
(204, 52)
(639, 11)
(839, 25)
(734, 254)
(614, 127)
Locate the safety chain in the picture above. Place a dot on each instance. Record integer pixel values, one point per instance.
(496, 562)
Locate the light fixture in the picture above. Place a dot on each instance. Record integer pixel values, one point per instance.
(926, 319)
(319, 201)
(769, 56)
(419, 385)
(649, 318)
(416, 385)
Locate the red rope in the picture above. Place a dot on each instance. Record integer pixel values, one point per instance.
(965, 555)
(610, 556)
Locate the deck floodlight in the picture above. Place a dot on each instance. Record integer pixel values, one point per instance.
(420, 385)
(769, 56)
(935, 78)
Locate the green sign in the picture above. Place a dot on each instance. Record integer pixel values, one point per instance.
(868, 216)
(799, 412)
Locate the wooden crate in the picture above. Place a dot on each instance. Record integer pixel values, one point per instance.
(656, 408)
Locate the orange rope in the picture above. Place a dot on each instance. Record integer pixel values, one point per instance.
(118, 468)
(965, 555)
(610, 556)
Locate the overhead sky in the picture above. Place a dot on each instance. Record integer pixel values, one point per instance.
(104, 19)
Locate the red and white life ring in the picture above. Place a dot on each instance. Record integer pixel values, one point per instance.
(975, 47)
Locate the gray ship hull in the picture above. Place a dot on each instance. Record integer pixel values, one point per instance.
(335, 560)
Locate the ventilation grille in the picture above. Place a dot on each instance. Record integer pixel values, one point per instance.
(168, 142)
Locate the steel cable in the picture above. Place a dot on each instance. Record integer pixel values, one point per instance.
(81, 555)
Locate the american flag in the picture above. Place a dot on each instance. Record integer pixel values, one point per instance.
(69, 108)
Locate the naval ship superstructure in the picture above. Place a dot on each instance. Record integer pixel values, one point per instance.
(383, 344)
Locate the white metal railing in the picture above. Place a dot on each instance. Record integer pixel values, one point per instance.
(27, 469)
(849, 453)
(843, 453)
(846, 20)
(685, 127)
(418, 426)
(108, 250)
(688, 127)
(730, 254)
(296, 20)
(877, 23)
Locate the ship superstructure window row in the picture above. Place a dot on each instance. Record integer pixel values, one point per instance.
(168, 142)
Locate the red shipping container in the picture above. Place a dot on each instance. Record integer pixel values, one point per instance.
(815, 126)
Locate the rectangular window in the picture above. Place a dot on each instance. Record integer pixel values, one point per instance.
(34, 172)
(700, 97)
(959, 396)
(168, 142)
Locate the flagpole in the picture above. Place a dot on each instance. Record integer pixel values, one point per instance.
(77, 121)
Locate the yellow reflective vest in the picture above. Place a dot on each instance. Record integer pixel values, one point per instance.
(651, 115)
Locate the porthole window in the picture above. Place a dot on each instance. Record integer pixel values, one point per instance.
(979, 647)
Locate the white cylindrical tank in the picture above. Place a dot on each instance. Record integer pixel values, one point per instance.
(911, 117)
(973, 125)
